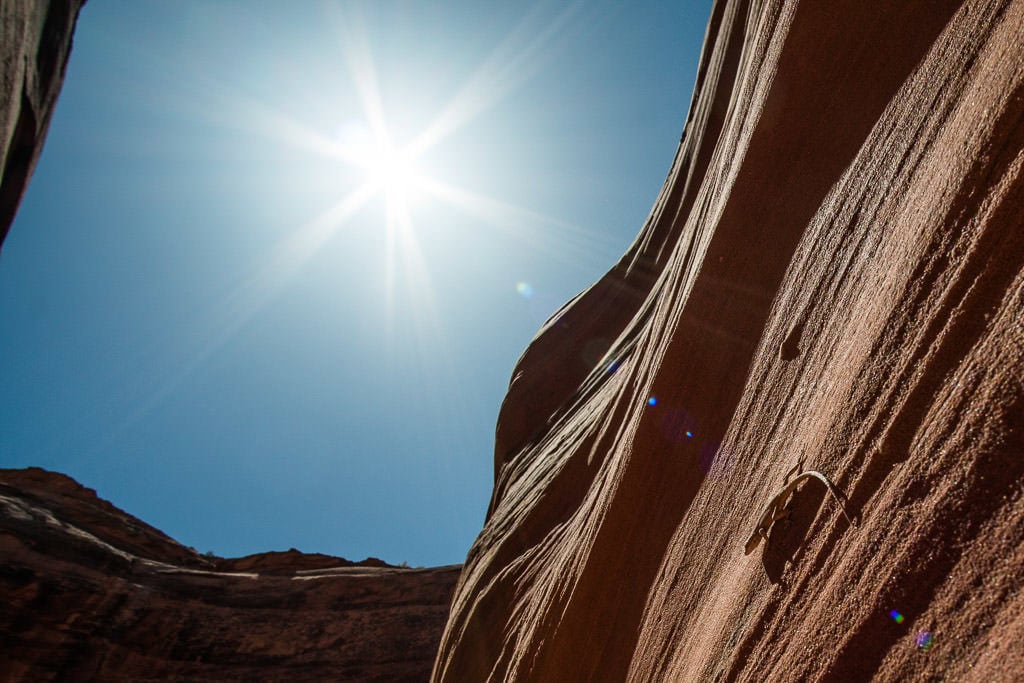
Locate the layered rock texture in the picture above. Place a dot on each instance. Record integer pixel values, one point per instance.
(90, 593)
(35, 41)
(831, 278)
(833, 274)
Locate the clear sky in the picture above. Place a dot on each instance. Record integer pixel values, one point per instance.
(278, 260)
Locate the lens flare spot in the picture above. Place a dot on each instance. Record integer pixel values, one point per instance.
(924, 641)
(896, 616)
(677, 425)
(652, 401)
(525, 290)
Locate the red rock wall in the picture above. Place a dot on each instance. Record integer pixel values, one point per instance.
(35, 41)
(89, 593)
(834, 274)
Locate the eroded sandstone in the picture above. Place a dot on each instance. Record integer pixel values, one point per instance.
(834, 274)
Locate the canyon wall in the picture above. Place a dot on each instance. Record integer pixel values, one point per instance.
(831, 279)
(35, 42)
(93, 594)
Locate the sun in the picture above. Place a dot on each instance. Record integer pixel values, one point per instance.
(393, 171)
(397, 166)
(388, 170)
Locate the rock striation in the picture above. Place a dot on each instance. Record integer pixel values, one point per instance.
(833, 274)
(35, 42)
(89, 593)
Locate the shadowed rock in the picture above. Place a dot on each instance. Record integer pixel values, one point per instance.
(35, 42)
(91, 593)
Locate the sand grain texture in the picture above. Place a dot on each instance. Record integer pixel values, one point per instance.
(833, 273)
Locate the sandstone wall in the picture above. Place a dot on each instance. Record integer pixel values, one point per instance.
(833, 274)
(35, 41)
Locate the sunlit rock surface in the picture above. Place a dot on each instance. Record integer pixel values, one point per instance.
(89, 593)
(833, 274)
(35, 41)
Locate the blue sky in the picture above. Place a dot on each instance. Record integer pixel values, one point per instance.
(278, 260)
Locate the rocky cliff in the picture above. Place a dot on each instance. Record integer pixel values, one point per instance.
(93, 594)
(832, 279)
(35, 41)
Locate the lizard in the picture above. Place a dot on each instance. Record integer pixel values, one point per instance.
(778, 506)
